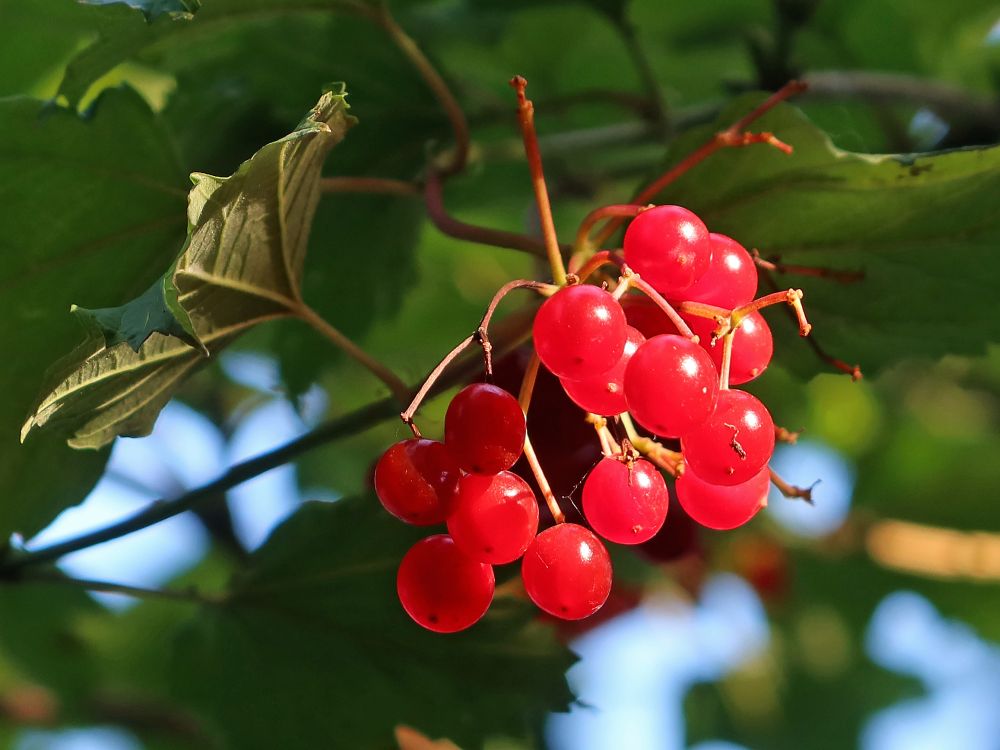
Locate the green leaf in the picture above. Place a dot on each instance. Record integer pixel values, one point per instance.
(241, 265)
(313, 637)
(40, 634)
(139, 319)
(91, 206)
(923, 229)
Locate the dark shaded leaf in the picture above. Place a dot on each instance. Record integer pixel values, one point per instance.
(91, 207)
(313, 637)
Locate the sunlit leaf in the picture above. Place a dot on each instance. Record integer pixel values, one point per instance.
(241, 265)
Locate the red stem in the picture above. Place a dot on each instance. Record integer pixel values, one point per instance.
(731, 137)
(526, 116)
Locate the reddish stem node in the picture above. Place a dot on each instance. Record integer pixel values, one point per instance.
(791, 491)
(784, 435)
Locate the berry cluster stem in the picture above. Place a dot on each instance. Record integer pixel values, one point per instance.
(670, 461)
(526, 116)
(481, 335)
(729, 320)
(603, 435)
(626, 210)
(727, 358)
(524, 399)
(732, 137)
(395, 384)
(679, 323)
(595, 261)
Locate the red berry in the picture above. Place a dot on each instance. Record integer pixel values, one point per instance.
(442, 588)
(625, 503)
(669, 247)
(671, 385)
(567, 571)
(415, 480)
(579, 332)
(484, 428)
(604, 393)
(495, 517)
(731, 278)
(734, 443)
(753, 346)
(719, 507)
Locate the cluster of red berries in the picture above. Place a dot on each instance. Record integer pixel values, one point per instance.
(612, 353)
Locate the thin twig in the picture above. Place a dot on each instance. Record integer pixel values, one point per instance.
(436, 83)
(190, 596)
(447, 224)
(853, 370)
(774, 264)
(399, 389)
(377, 185)
(732, 137)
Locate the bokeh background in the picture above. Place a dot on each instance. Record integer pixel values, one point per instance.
(869, 619)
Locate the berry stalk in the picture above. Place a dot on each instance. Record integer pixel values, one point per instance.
(731, 137)
(524, 399)
(526, 116)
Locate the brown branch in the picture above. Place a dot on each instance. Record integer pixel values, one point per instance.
(732, 137)
(773, 264)
(854, 371)
(951, 102)
(377, 185)
(447, 224)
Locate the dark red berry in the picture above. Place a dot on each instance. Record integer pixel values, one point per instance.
(625, 502)
(567, 571)
(669, 247)
(415, 481)
(495, 517)
(579, 332)
(441, 587)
